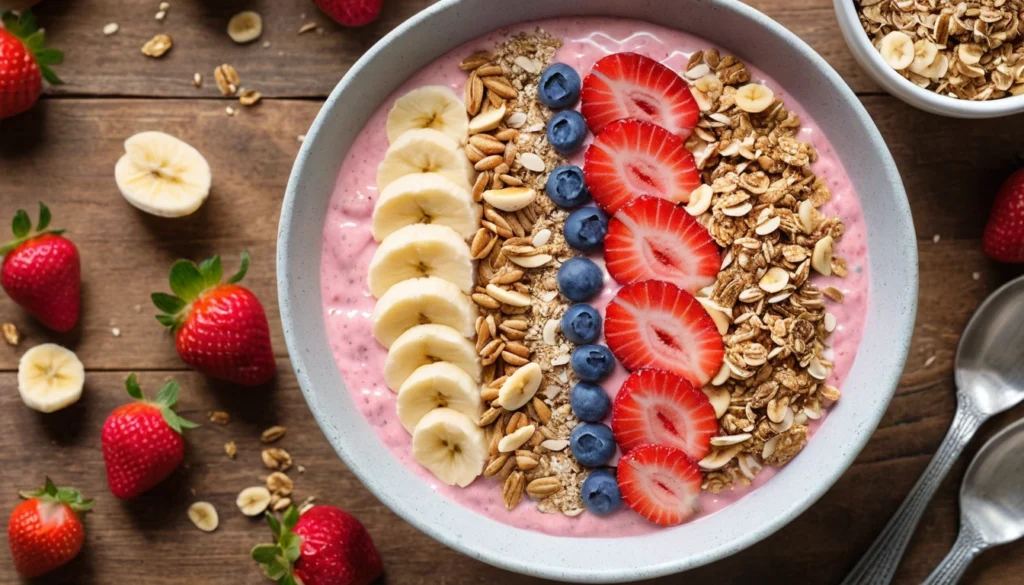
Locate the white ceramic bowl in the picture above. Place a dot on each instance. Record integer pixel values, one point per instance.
(870, 59)
(868, 389)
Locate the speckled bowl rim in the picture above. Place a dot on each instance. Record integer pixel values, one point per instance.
(893, 83)
(867, 392)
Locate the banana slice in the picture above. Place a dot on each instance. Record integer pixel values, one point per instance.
(422, 300)
(421, 250)
(162, 175)
(245, 27)
(425, 151)
(450, 445)
(925, 53)
(425, 198)
(50, 377)
(434, 106)
(520, 387)
(897, 49)
(426, 344)
(437, 385)
(754, 98)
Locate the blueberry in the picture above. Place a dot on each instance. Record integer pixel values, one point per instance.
(559, 86)
(566, 131)
(600, 492)
(565, 187)
(585, 229)
(579, 279)
(589, 401)
(593, 444)
(592, 363)
(581, 324)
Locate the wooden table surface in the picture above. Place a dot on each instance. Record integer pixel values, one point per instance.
(64, 151)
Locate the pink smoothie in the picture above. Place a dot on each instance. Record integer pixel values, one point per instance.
(348, 248)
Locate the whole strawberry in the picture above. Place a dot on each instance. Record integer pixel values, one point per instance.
(41, 271)
(44, 531)
(142, 442)
(24, 62)
(220, 328)
(351, 12)
(325, 546)
(1004, 234)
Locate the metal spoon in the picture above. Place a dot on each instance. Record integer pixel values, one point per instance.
(991, 503)
(990, 380)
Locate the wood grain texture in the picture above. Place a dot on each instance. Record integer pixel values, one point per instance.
(63, 152)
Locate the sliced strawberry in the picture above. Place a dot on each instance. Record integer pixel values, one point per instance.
(651, 238)
(655, 324)
(628, 85)
(631, 158)
(660, 408)
(660, 483)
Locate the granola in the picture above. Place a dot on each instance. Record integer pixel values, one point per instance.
(971, 50)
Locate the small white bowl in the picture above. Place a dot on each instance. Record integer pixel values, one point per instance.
(871, 60)
(866, 392)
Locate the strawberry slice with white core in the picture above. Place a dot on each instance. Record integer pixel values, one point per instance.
(659, 407)
(660, 483)
(651, 238)
(631, 158)
(656, 324)
(628, 85)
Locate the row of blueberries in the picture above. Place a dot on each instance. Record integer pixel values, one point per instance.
(580, 280)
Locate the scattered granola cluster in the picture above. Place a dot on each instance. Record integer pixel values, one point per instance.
(760, 202)
(970, 50)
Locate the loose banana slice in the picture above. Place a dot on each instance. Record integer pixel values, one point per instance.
(421, 250)
(162, 175)
(754, 98)
(520, 387)
(422, 300)
(426, 344)
(425, 198)
(437, 385)
(245, 27)
(897, 49)
(434, 106)
(450, 445)
(50, 378)
(425, 151)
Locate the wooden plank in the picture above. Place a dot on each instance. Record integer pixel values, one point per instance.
(114, 65)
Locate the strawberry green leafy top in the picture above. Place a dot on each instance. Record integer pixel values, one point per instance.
(24, 27)
(22, 228)
(62, 495)
(188, 282)
(166, 398)
(277, 559)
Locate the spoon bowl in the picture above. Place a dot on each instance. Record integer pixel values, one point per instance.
(989, 360)
(992, 498)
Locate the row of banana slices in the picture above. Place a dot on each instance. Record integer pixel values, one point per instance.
(422, 274)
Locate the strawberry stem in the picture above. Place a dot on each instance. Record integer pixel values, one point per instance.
(21, 226)
(166, 398)
(63, 495)
(277, 560)
(23, 25)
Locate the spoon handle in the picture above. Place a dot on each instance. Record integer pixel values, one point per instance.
(967, 546)
(878, 565)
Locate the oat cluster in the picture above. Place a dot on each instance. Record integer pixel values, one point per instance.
(761, 202)
(980, 47)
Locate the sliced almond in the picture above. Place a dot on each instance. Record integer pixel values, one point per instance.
(516, 120)
(516, 439)
(550, 332)
(253, 501)
(719, 398)
(511, 198)
(816, 369)
(508, 297)
(821, 258)
(767, 227)
(721, 319)
(700, 200)
(829, 322)
(785, 424)
(204, 516)
(486, 121)
(555, 444)
(738, 210)
(532, 162)
(730, 440)
(534, 261)
(808, 216)
(719, 458)
(723, 375)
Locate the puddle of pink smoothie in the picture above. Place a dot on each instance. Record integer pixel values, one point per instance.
(348, 248)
